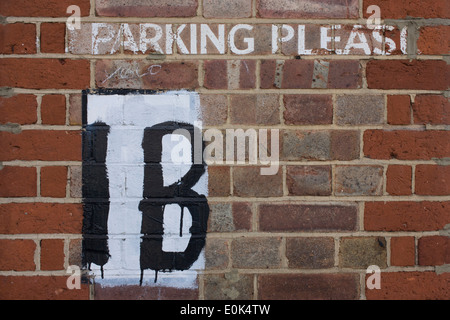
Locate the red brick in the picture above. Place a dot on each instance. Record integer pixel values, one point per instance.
(17, 38)
(52, 8)
(406, 74)
(406, 216)
(75, 107)
(40, 288)
(403, 252)
(344, 74)
(344, 32)
(130, 292)
(399, 109)
(21, 109)
(399, 180)
(31, 218)
(53, 37)
(345, 145)
(431, 109)
(52, 254)
(308, 286)
(398, 9)
(434, 251)
(45, 73)
(308, 109)
(309, 9)
(406, 144)
(17, 255)
(214, 109)
(215, 74)
(53, 182)
(53, 109)
(434, 40)
(432, 180)
(18, 182)
(229, 9)
(141, 74)
(46, 145)
(128, 8)
(297, 74)
(411, 286)
(297, 217)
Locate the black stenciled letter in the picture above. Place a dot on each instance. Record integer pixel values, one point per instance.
(157, 196)
(95, 195)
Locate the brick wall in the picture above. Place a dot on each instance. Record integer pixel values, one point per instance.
(364, 142)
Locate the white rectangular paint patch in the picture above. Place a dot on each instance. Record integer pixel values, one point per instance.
(127, 115)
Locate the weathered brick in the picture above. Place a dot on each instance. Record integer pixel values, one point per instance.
(304, 74)
(53, 182)
(308, 9)
(75, 106)
(359, 109)
(248, 182)
(21, 109)
(17, 255)
(262, 39)
(53, 109)
(51, 145)
(297, 217)
(358, 180)
(30, 218)
(214, 109)
(96, 38)
(357, 40)
(398, 109)
(255, 109)
(18, 38)
(406, 216)
(308, 109)
(219, 181)
(228, 286)
(406, 144)
(216, 254)
(434, 40)
(230, 74)
(411, 286)
(433, 250)
(345, 145)
(226, 217)
(362, 252)
(431, 109)
(52, 8)
(76, 181)
(398, 9)
(310, 253)
(403, 252)
(406, 74)
(432, 180)
(306, 145)
(141, 74)
(53, 37)
(229, 9)
(142, 8)
(399, 180)
(308, 286)
(309, 180)
(45, 73)
(18, 182)
(40, 288)
(256, 252)
(52, 254)
(312, 43)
